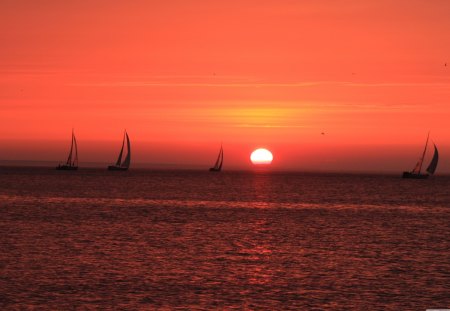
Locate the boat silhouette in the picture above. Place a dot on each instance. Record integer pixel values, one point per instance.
(122, 166)
(72, 160)
(416, 173)
(218, 165)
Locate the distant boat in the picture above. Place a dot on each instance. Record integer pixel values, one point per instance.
(416, 173)
(122, 166)
(72, 161)
(218, 165)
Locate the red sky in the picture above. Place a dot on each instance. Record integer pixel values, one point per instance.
(184, 76)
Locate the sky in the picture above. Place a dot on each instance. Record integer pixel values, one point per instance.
(182, 77)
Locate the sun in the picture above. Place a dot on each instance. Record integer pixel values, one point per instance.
(261, 156)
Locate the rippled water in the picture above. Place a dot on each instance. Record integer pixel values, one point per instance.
(147, 240)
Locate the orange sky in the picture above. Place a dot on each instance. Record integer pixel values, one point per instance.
(183, 76)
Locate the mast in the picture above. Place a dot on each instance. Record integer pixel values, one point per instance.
(424, 151)
(121, 151)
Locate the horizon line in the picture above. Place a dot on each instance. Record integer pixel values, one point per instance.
(196, 167)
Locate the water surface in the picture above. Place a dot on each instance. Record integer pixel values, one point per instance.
(235, 240)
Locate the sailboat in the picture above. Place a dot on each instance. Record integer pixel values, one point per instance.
(416, 173)
(122, 166)
(72, 160)
(218, 165)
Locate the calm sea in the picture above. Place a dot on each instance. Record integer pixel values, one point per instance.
(193, 240)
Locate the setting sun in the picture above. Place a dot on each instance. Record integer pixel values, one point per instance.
(261, 156)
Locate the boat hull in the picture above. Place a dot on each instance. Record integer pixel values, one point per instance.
(66, 168)
(117, 168)
(213, 169)
(414, 175)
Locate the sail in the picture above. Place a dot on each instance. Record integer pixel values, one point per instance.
(75, 161)
(219, 161)
(221, 158)
(126, 162)
(119, 159)
(216, 165)
(416, 168)
(434, 162)
(69, 158)
(424, 151)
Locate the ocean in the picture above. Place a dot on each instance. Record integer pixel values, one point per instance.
(195, 240)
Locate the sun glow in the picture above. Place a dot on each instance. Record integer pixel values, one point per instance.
(261, 157)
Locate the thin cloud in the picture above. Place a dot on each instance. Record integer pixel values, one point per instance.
(240, 84)
(268, 126)
(397, 84)
(197, 84)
